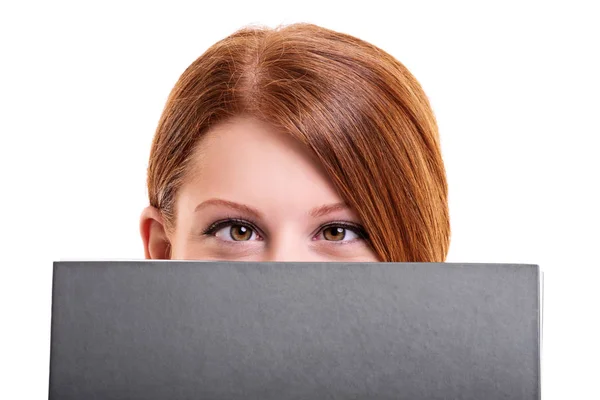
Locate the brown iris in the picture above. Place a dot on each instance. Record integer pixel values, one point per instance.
(240, 232)
(334, 233)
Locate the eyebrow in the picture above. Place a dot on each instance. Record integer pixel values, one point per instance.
(327, 209)
(315, 212)
(229, 204)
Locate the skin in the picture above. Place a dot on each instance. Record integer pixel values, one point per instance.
(283, 206)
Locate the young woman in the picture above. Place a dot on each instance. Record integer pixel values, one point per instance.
(296, 144)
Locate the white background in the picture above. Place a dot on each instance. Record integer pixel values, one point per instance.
(515, 88)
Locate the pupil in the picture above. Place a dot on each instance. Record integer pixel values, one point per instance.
(335, 233)
(240, 232)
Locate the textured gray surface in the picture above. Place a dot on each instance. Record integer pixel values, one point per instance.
(192, 330)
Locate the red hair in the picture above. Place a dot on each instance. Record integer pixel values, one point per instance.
(357, 108)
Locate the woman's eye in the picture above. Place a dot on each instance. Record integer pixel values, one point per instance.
(237, 233)
(337, 234)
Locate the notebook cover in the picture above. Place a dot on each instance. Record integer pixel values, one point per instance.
(225, 330)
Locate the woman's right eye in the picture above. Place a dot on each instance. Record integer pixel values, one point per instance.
(236, 232)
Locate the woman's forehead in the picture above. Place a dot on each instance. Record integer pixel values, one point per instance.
(248, 161)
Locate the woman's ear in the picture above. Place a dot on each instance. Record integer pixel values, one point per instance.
(154, 235)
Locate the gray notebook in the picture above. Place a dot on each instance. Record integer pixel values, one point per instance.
(223, 330)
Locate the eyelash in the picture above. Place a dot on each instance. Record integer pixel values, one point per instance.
(359, 230)
(218, 225)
